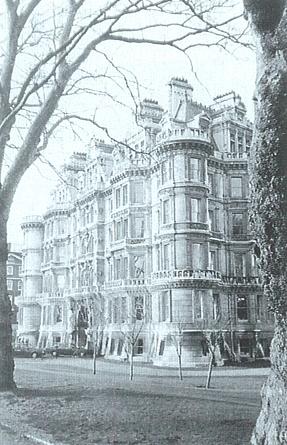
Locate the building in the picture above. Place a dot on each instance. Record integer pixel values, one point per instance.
(14, 282)
(151, 237)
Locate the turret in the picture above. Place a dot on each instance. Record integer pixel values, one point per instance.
(29, 315)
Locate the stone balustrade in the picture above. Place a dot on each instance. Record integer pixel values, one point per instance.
(127, 282)
(183, 274)
(183, 134)
(231, 156)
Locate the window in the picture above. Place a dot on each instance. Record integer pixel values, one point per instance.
(138, 229)
(139, 308)
(157, 253)
(139, 347)
(9, 270)
(9, 284)
(240, 143)
(194, 169)
(120, 347)
(211, 183)
(58, 314)
(236, 187)
(237, 224)
(124, 309)
(125, 195)
(19, 285)
(247, 144)
(239, 264)
(213, 260)
(118, 269)
(196, 256)
(216, 307)
(232, 142)
(125, 228)
(110, 307)
(126, 269)
(118, 230)
(116, 310)
(244, 346)
(139, 266)
(161, 347)
(165, 211)
(164, 169)
(158, 219)
(90, 247)
(259, 308)
(242, 308)
(166, 264)
(165, 306)
(211, 217)
(112, 346)
(198, 305)
(118, 197)
(194, 210)
(137, 193)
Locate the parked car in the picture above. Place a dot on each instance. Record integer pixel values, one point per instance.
(56, 351)
(28, 352)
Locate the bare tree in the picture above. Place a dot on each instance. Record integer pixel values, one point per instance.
(44, 63)
(176, 338)
(212, 341)
(268, 20)
(131, 332)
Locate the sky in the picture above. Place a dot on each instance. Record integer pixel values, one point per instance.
(214, 72)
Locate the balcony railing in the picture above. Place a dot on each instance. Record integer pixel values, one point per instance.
(208, 274)
(245, 281)
(127, 282)
(183, 274)
(227, 156)
(183, 134)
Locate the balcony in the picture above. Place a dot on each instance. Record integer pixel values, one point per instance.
(82, 291)
(242, 281)
(127, 282)
(186, 274)
(208, 274)
(183, 134)
(227, 156)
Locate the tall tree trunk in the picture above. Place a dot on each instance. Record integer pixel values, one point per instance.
(6, 354)
(269, 202)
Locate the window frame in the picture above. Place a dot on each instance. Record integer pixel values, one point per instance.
(236, 191)
(243, 308)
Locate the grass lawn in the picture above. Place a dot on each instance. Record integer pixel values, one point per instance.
(77, 408)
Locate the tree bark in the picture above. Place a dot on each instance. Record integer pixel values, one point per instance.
(6, 353)
(269, 202)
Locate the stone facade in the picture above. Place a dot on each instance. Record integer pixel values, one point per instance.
(150, 240)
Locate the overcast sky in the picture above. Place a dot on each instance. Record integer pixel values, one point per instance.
(216, 73)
